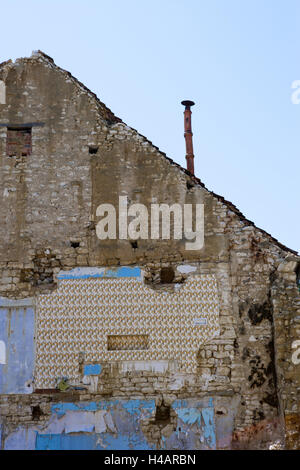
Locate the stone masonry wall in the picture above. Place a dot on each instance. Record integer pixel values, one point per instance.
(82, 156)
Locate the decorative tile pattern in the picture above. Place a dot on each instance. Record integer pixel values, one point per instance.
(81, 314)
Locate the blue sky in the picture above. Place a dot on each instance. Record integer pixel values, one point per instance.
(236, 59)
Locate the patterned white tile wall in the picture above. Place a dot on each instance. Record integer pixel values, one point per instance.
(81, 313)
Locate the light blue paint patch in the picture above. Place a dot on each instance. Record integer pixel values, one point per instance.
(66, 442)
(124, 272)
(131, 406)
(134, 407)
(189, 416)
(125, 414)
(209, 426)
(62, 408)
(92, 273)
(199, 414)
(21, 439)
(203, 403)
(91, 441)
(92, 369)
(130, 441)
(17, 333)
(48, 442)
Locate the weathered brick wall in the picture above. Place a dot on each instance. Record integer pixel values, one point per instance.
(48, 206)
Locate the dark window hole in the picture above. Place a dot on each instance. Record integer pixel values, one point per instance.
(93, 150)
(162, 414)
(166, 275)
(134, 244)
(189, 185)
(75, 244)
(36, 412)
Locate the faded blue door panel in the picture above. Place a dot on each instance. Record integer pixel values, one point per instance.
(17, 347)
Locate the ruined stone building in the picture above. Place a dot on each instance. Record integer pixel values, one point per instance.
(125, 343)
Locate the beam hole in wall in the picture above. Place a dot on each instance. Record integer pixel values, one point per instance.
(93, 149)
(189, 185)
(74, 244)
(127, 342)
(134, 244)
(167, 275)
(162, 414)
(36, 412)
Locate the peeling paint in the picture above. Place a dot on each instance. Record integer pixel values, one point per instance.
(2, 352)
(186, 268)
(119, 424)
(86, 273)
(196, 428)
(92, 369)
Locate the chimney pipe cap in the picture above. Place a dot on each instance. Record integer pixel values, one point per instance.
(187, 103)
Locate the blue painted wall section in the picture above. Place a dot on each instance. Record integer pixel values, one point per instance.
(92, 369)
(196, 427)
(17, 336)
(117, 424)
(101, 425)
(90, 273)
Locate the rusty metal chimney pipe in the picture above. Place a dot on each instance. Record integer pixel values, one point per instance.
(188, 135)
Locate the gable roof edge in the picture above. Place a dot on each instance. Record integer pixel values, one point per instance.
(112, 119)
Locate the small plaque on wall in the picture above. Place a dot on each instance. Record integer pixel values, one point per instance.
(200, 321)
